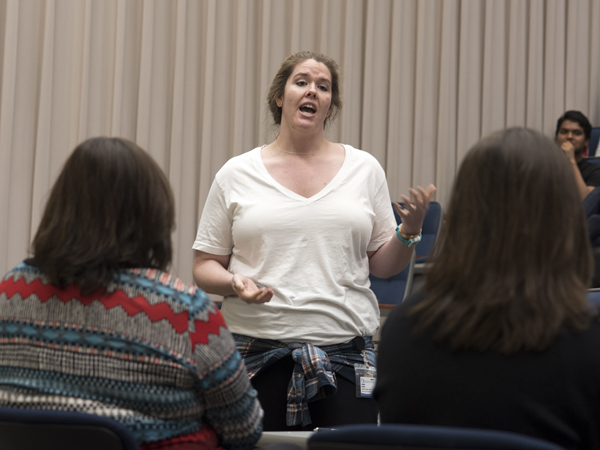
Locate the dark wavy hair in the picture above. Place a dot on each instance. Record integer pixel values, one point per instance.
(515, 261)
(111, 207)
(285, 71)
(575, 116)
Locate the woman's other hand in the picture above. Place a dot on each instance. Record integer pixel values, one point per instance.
(415, 208)
(211, 275)
(247, 290)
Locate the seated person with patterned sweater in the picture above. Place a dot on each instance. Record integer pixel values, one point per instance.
(93, 323)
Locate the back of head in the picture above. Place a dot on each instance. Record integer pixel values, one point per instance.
(110, 208)
(578, 117)
(514, 261)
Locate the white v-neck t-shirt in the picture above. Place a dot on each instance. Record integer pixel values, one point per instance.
(311, 251)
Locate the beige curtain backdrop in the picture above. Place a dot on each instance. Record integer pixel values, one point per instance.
(187, 80)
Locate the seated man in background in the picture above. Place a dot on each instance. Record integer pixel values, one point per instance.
(573, 132)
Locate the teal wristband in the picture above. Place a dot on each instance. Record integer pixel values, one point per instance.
(408, 242)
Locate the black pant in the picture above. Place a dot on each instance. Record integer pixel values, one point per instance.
(343, 408)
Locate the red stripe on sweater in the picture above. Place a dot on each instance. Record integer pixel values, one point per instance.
(132, 306)
(203, 329)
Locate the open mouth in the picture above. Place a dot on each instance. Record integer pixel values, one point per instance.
(308, 109)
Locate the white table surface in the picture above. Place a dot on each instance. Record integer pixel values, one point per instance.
(300, 438)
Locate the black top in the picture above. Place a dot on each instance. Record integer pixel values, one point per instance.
(552, 395)
(590, 172)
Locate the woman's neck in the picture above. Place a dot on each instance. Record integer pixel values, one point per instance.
(300, 142)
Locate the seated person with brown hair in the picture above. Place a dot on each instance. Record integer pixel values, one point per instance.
(93, 323)
(502, 336)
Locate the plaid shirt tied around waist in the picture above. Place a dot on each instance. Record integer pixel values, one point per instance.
(315, 369)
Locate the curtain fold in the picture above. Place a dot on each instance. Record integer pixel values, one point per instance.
(534, 68)
(594, 87)
(426, 98)
(446, 157)
(516, 77)
(187, 80)
(495, 65)
(402, 92)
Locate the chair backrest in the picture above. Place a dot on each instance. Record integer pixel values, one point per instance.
(431, 227)
(593, 144)
(594, 159)
(392, 291)
(422, 437)
(593, 296)
(28, 429)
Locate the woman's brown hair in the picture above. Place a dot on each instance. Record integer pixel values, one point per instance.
(514, 261)
(285, 71)
(111, 207)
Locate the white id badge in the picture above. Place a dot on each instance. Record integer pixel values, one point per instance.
(365, 379)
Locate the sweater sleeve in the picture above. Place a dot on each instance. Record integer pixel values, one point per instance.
(232, 408)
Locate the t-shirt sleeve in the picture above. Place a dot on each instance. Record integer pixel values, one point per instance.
(214, 230)
(384, 222)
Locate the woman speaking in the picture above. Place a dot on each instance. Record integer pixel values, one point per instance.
(289, 234)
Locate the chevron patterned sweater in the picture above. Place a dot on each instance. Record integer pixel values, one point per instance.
(151, 352)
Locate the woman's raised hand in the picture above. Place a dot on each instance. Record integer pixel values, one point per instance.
(246, 290)
(415, 208)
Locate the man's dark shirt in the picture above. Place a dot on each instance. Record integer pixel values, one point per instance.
(590, 172)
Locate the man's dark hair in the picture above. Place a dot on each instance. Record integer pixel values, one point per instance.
(575, 116)
(111, 207)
